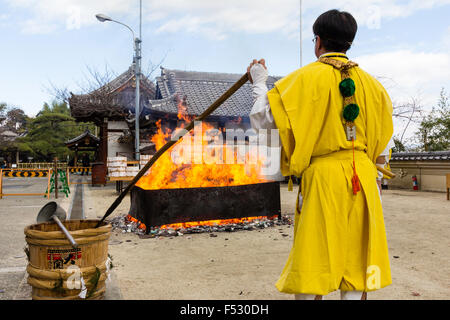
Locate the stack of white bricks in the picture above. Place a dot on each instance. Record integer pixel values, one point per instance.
(117, 166)
(132, 171)
(144, 158)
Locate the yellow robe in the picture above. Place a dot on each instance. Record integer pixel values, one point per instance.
(339, 238)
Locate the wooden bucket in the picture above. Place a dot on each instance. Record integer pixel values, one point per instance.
(57, 271)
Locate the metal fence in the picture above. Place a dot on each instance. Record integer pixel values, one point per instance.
(41, 165)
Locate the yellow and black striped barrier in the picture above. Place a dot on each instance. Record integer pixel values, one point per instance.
(25, 173)
(80, 169)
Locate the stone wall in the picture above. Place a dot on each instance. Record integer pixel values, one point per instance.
(431, 175)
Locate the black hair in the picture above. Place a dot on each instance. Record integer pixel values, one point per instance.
(336, 29)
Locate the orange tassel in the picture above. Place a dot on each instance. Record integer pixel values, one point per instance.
(355, 179)
(355, 183)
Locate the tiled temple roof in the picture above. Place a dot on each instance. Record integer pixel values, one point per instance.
(81, 138)
(199, 90)
(114, 100)
(421, 156)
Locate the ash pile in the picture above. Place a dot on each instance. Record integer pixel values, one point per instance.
(124, 225)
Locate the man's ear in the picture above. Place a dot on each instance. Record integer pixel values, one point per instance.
(317, 46)
(319, 43)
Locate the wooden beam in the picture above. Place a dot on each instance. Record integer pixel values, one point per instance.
(48, 182)
(56, 178)
(103, 147)
(1, 182)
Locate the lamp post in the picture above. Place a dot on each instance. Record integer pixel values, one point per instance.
(137, 74)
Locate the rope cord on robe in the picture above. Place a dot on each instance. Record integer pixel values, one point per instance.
(351, 109)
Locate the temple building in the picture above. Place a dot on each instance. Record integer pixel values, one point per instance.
(9, 149)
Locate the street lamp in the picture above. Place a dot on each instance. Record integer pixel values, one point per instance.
(137, 73)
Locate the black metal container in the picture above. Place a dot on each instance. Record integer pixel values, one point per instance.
(167, 206)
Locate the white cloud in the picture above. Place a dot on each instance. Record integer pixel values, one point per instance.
(49, 15)
(32, 26)
(217, 18)
(409, 74)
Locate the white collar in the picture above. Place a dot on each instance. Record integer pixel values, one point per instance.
(327, 53)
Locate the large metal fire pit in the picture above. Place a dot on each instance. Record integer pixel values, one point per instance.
(166, 206)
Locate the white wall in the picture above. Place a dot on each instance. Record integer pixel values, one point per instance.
(113, 145)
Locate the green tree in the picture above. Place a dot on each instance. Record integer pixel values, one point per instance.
(434, 130)
(2, 109)
(16, 120)
(48, 132)
(399, 146)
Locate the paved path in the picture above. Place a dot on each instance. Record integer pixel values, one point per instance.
(76, 211)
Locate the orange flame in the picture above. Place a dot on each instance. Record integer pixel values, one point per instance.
(186, 225)
(201, 163)
(140, 224)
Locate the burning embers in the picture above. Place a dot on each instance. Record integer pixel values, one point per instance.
(128, 224)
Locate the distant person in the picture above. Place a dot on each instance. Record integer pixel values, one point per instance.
(86, 163)
(4, 165)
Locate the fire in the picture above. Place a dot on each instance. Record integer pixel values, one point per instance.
(140, 224)
(207, 162)
(186, 225)
(182, 111)
(200, 164)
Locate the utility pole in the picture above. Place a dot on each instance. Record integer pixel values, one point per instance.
(137, 56)
(137, 69)
(301, 35)
(137, 72)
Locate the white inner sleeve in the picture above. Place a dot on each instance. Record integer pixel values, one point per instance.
(260, 116)
(262, 121)
(385, 153)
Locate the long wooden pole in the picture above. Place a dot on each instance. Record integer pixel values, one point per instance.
(385, 171)
(169, 144)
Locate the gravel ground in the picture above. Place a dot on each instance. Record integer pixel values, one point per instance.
(246, 264)
(236, 265)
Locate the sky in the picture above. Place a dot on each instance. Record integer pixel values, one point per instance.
(406, 44)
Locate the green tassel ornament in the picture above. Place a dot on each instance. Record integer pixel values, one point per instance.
(347, 87)
(351, 112)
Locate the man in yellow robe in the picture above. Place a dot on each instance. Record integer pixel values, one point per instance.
(339, 233)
